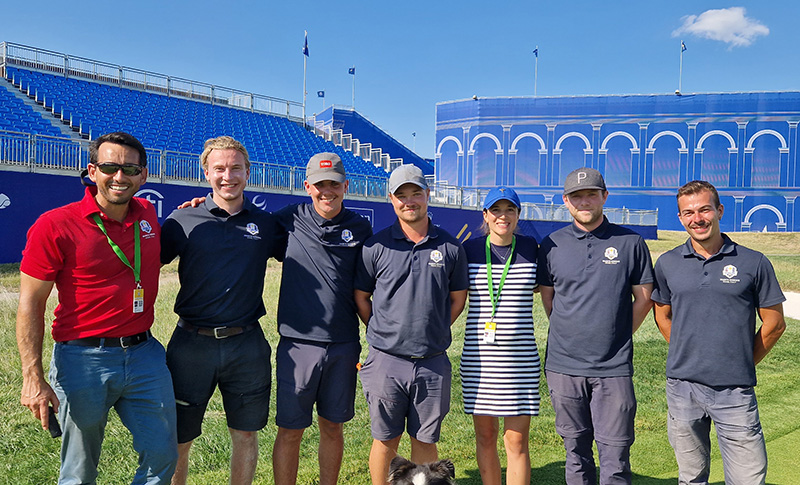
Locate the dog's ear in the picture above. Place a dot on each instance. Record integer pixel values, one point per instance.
(399, 468)
(445, 467)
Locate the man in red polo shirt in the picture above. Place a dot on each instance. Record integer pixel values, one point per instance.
(102, 254)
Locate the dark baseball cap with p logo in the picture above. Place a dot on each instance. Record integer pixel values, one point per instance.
(584, 179)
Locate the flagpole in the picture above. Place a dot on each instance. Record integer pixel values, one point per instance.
(305, 67)
(536, 70)
(680, 70)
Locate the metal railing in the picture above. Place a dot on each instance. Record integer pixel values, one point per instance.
(47, 153)
(40, 153)
(28, 57)
(464, 197)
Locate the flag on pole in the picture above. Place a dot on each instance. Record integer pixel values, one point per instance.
(305, 46)
(683, 46)
(321, 94)
(536, 52)
(352, 70)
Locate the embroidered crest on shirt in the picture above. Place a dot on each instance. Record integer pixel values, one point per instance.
(729, 272)
(147, 230)
(611, 255)
(347, 235)
(436, 259)
(252, 229)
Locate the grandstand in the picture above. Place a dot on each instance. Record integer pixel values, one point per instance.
(53, 104)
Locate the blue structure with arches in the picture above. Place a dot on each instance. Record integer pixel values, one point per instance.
(646, 146)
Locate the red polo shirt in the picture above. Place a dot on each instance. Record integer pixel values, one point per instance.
(95, 289)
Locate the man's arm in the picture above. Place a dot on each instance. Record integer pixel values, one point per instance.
(641, 303)
(458, 299)
(547, 292)
(663, 316)
(36, 392)
(772, 327)
(363, 305)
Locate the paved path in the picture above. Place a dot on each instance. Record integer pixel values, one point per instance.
(791, 307)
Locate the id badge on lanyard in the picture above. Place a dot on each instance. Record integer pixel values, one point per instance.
(490, 327)
(138, 292)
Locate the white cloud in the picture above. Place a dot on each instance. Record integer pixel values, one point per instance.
(729, 25)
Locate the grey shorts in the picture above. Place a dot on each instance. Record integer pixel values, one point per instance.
(604, 407)
(239, 365)
(320, 373)
(406, 394)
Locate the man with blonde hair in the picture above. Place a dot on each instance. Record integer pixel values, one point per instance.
(223, 244)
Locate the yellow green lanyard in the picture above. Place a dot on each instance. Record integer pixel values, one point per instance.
(496, 300)
(137, 251)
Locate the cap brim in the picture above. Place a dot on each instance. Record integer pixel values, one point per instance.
(423, 187)
(320, 177)
(578, 189)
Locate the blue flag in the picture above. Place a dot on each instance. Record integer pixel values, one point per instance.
(352, 71)
(321, 94)
(536, 52)
(305, 46)
(683, 46)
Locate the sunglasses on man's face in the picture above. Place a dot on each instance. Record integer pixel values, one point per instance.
(112, 168)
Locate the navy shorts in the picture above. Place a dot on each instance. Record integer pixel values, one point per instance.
(239, 365)
(321, 373)
(406, 394)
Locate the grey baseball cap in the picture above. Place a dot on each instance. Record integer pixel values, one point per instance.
(406, 174)
(584, 179)
(325, 166)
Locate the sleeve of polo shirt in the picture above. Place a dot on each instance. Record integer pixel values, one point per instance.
(661, 293)
(173, 239)
(643, 271)
(43, 256)
(459, 278)
(281, 236)
(768, 290)
(543, 276)
(365, 268)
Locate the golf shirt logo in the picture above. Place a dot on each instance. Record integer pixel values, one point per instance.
(147, 230)
(611, 255)
(252, 229)
(436, 259)
(347, 235)
(729, 272)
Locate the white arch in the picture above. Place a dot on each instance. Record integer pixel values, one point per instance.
(485, 135)
(571, 134)
(665, 133)
(445, 140)
(760, 207)
(619, 133)
(527, 135)
(767, 132)
(716, 132)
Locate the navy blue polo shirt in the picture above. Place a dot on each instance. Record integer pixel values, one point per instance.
(591, 325)
(410, 285)
(714, 304)
(222, 262)
(316, 300)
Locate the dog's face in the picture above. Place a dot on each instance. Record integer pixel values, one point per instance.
(404, 472)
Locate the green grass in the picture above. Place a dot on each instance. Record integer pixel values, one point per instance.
(29, 456)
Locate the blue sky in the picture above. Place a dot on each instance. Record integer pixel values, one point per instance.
(410, 55)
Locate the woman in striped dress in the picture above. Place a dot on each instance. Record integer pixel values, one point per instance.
(500, 361)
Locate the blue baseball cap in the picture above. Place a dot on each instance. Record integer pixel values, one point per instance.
(501, 193)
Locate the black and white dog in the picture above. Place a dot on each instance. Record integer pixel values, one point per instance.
(404, 472)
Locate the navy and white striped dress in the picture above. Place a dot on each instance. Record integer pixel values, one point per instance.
(501, 379)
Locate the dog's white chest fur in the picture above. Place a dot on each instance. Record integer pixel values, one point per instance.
(419, 479)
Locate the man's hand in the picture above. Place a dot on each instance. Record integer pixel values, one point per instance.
(37, 395)
(192, 203)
